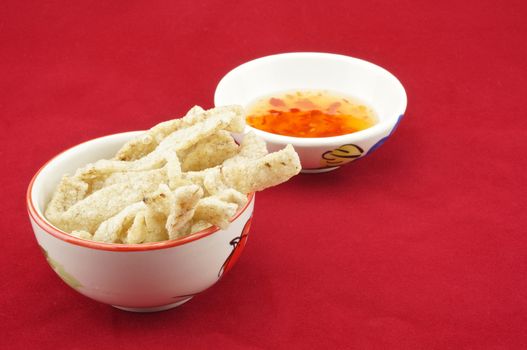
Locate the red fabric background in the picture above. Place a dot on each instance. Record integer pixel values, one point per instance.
(421, 245)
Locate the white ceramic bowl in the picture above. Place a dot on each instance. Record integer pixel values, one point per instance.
(135, 277)
(321, 71)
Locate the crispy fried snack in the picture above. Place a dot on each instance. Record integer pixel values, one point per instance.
(180, 177)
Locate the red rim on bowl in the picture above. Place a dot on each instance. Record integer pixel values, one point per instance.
(66, 237)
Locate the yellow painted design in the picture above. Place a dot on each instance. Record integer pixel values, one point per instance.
(59, 269)
(342, 155)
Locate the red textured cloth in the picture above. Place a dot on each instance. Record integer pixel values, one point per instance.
(421, 245)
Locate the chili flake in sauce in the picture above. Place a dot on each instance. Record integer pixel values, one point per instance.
(310, 114)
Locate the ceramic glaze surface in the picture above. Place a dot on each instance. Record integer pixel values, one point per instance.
(144, 277)
(319, 71)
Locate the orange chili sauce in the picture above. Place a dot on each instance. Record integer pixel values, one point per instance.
(310, 113)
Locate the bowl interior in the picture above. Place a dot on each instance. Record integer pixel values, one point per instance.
(70, 160)
(292, 71)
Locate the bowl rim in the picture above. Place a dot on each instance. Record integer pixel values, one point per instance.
(320, 141)
(48, 228)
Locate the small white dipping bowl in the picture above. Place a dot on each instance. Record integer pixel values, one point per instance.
(319, 71)
(134, 277)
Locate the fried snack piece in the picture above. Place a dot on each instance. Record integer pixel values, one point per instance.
(101, 205)
(137, 232)
(215, 211)
(82, 234)
(129, 177)
(258, 174)
(100, 174)
(251, 147)
(175, 209)
(177, 141)
(212, 181)
(155, 215)
(69, 191)
(199, 225)
(130, 225)
(146, 143)
(249, 175)
(182, 208)
(155, 226)
(230, 195)
(218, 209)
(189, 176)
(115, 228)
(209, 152)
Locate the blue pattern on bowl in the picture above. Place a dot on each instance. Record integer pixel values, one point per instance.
(381, 141)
